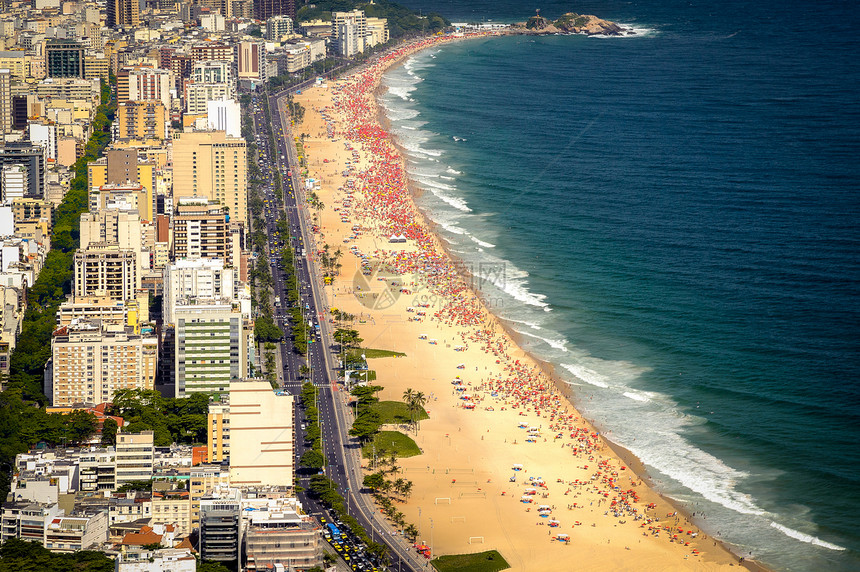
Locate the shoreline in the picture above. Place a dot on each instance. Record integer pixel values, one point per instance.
(561, 387)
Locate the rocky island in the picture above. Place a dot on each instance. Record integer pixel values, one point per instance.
(573, 23)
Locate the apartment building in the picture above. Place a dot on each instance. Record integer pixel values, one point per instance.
(134, 457)
(218, 432)
(200, 279)
(201, 480)
(142, 120)
(104, 269)
(92, 361)
(211, 165)
(210, 347)
(261, 435)
(275, 531)
(220, 513)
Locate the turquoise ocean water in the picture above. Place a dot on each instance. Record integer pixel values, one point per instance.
(671, 219)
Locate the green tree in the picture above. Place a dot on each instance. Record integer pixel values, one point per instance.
(265, 329)
(366, 425)
(313, 459)
(81, 426)
(109, 429)
(374, 481)
(347, 338)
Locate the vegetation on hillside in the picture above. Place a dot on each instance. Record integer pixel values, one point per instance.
(401, 20)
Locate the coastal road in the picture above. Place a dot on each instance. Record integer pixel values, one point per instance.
(343, 452)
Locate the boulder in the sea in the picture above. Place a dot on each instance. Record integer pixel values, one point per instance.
(573, 23)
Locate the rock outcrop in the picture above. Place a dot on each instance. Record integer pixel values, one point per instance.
(572, 23)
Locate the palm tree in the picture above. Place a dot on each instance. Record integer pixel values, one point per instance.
(406, 490)
(392, 462)
(398, 486)
(411, 532)
(409, 399)
(419, 400)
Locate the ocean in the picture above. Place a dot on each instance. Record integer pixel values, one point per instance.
(671, 219)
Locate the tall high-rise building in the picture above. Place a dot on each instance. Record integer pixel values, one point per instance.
(142, 120)
(64, 58)
(202, 279)
(91, 362)
(5, 101)
(143, 83)
(106, 270)
(251, 60)
(32, 157)
(198, 96)
(225, 115)
(277, 27)
(220, 513)
(212, 51)
(356, 17)
(218, 432)
(114, 226)
(212, 71)
(265, 9)
(211, 165)
(123, 13)
(261, 435)
(134, 456)
(348, 30)
(13, 183)
(224, 7)
(210, 347)
(201, 230)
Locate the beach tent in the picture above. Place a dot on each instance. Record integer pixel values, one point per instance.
(517, 467)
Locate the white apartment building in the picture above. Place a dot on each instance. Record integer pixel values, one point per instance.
(134, 456)
(277, 27)
(198, 96)
(200, 279)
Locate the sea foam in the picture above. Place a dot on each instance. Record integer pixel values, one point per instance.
(808, 538)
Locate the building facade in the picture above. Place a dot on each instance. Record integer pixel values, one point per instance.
(265, 9)
(211, 165)
(261, 435)
(142, 120)
(32, 158)
(64, 59)
(106, 270)
(219, 525)
(134, 456)
(92, 362)
(277, 27)
(210, 347)
(122, 14)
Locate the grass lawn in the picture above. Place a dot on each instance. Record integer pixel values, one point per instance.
(489, 561)
(369, 353)
(395, 412)
(392, 441)
(366, 376)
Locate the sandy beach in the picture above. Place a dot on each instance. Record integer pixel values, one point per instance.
(502, 441)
